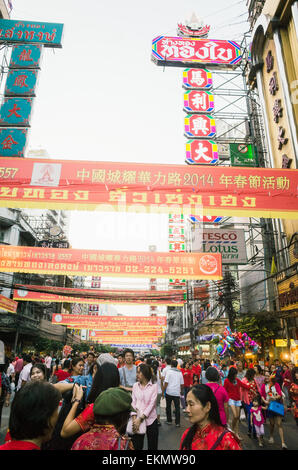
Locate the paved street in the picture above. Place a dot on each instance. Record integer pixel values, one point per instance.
(170, 435)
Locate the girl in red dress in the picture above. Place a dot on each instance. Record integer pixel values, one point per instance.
(206, 432)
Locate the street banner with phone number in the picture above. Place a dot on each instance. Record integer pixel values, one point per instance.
(137, 264)
(155, 188)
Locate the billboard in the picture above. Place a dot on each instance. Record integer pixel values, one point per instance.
(108, 323)
(229, 243)
(25, 31)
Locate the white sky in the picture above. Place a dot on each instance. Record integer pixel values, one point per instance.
(101, 97)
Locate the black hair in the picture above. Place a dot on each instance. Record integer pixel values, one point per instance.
(258, 399)
(90, 353)
(41, 367)
(212, 374)
(207, 364)
(232, 374)
(91, 368)
(174, 363)
(168, 360)
(147, 372)
(26, 357)
(106, 376)
(75, 361)
(31, 409)
(260, 370)
(203, 394)
(66, 364)
(128, 351)
(250, 373)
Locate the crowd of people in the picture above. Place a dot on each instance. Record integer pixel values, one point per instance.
(113, 401)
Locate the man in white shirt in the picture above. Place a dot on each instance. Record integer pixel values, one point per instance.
(25, 372)
(173, 386)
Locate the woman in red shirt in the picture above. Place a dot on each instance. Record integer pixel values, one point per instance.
(206, 432)
(232, 385)
(33, 416)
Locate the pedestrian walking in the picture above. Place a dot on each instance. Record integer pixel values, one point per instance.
(232, 385)
(48, 364)
(18, 366)
(188, 380)
(157, 372)
(24, 376)
(144, 397)
(112, 409)
(128, 373)
(220, 393)
(173, 389)
(34, 413)
(247, 396)
(5, 388)
(287, 383)
(259, 376)
(294, 393)
(257, 419)
(271, 394)
(63, 373)
(207, 431)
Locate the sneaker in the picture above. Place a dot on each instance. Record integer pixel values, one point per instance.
(284, 447)
(158, 423)
(261, 444)
(177, 425)
(168, 422)
(271, 440)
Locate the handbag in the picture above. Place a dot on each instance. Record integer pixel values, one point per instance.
(277, 408)
(142, 428)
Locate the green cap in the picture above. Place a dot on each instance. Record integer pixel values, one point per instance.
(112, 401)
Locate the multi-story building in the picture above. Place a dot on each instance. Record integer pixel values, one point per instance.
(274, 73)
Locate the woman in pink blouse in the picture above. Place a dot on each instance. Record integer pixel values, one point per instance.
(144, 396)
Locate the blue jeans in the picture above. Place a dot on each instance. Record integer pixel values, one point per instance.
(251, 428)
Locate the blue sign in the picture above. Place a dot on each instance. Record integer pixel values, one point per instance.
(12, 142)
(14, 31)
(25, 56)
(21, 83)
(15, 112)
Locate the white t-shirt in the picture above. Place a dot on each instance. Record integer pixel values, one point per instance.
(174, 379)
(24, 375)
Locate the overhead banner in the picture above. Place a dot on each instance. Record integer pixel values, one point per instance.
(155, 188)
(108, 323)
(140, 264)
(181, 52)
(8, 304)
(102, 297)
(126, 334)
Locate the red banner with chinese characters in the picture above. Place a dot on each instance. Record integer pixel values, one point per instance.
(8, 304)
(33, 293)
(140, 264)
(139, 187)
(130, 334)
(109, 323)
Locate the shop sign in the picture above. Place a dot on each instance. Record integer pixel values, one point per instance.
(288, 293)
(229, 243)
(12, 144)
(211, 219)
(21, 82)
(204, 152)
(197, 79)
(199, 125)
(243, 155)
(198, 101)
(16, 112)
(181, 52)
(25, 31)
(25, 57)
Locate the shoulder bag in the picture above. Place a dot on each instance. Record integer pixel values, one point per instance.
(219, 439)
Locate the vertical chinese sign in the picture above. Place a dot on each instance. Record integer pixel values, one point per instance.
(26, 40)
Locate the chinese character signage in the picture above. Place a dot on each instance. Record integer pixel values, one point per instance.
(16, 112)
(183, 51)
(199, 125)
(243, 155)
(12, 142)
(8, 304)
(25, 57)
(198, 101)
(187, 189)
(197, 79)
(21, 82)
(14, 31)
(91, 262)
(201, 151)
